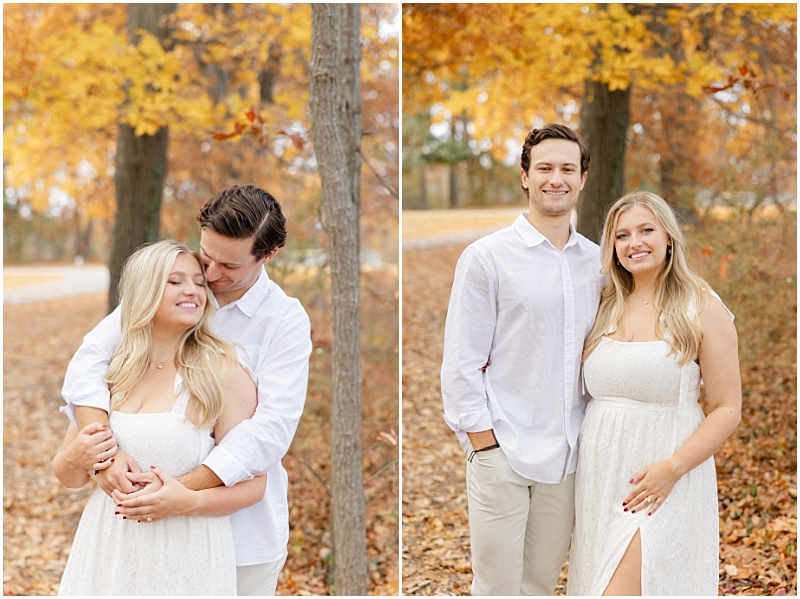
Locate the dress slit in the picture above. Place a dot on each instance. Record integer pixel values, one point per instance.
(608, 573)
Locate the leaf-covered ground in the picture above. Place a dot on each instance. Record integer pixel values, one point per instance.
(752, 265)
(40, 516)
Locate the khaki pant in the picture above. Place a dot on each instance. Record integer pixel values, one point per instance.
(519, 529)
(259, 579)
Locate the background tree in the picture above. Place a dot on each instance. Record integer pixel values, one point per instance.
(335, 107)
(141, 162)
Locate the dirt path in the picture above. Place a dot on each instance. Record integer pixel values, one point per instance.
(26, 284)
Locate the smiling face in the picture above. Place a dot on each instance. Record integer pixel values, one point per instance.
(231, 267)
(640, 241)
(554, 178)
(184, 298)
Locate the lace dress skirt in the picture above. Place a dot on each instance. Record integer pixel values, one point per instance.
(176, 556)
(644, 407)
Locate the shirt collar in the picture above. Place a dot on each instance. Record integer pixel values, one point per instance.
(252, 298)
(531, 236)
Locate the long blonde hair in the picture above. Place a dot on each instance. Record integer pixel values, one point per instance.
(680, 293)
(205, 361)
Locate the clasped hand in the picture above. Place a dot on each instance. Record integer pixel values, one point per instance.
(93, 448)
(160, 496)
(653, 484)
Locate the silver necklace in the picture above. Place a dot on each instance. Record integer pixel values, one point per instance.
(640, 299)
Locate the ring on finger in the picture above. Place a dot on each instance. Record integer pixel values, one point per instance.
(149, 518)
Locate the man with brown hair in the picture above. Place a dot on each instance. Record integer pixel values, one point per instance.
(242, 229)
(523, 301)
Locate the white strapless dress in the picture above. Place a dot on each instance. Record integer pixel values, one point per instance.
(177, 556)
(644, 407)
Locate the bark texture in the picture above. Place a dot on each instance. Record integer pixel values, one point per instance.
(604, 123)
(140, 164)
(335, 107)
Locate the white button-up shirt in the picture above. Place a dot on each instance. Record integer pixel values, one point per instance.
(519, 300)
(275, 334)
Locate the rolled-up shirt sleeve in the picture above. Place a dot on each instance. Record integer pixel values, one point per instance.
(254, 446)
(469, 331)
(85, 382)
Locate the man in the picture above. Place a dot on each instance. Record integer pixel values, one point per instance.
(241, 230)
(523, 301)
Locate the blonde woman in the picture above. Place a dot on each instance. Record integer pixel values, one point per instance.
(646, 496)
(176, 389)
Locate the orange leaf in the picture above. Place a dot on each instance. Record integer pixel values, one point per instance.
(222, 136)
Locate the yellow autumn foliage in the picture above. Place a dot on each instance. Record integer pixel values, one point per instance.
(526, 55)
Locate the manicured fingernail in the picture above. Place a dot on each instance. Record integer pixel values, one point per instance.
(152, 467)
(633, 511)
(624, 504)
(625, 510)
(116, 513)
(112, 460)
(649, 513)
(124, 518)
(631, 481)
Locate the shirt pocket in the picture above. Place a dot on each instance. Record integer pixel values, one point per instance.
(589, 294)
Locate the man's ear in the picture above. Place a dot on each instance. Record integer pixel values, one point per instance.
(524, 176)
(269, 256)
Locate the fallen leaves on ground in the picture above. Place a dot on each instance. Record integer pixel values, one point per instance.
(756, 467)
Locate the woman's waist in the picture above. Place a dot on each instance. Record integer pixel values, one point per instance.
(612, 401)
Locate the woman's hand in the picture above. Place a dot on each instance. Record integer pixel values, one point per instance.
(169, 500)
(93, 448)
(653, 484)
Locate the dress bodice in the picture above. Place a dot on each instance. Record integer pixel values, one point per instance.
(642, 372)
(167, 440)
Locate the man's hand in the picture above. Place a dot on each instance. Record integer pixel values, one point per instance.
(170, 500)
(482, 439)
(93, 448)
(114, 477)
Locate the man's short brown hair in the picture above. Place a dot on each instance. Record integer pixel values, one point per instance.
(243, 211)
(552, 131)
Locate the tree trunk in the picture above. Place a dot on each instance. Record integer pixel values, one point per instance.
(268, 74)
(334, 102)
(604, 123)
(678, 145)
(140, 164)
(423, 189)
(677, 148)
(453, 180)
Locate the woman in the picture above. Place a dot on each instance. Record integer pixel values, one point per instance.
(176, 388)
(646, 496)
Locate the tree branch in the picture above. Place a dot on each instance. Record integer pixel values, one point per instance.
(381, 179)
